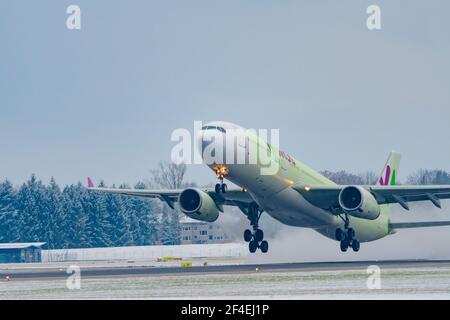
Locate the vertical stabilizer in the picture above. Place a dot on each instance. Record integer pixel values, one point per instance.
(390, 171)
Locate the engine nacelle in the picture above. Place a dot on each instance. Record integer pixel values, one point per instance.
(198, 205)
(358, 202)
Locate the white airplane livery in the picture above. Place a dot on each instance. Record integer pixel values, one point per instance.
(294, 194)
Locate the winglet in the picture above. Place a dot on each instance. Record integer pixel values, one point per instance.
(90, 183)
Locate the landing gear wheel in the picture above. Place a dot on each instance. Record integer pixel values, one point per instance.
(217, 188)
(264, 246)
(252, 246)
(248, 235)
(259, 235)
(344, 245)
(355, 245)
(339, 234)
(347, 237)
(253, 213)
(224, 188)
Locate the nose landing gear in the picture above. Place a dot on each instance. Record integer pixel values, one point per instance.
(255, 239)
(347, 237)
(221, 187)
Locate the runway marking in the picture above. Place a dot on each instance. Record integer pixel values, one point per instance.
(107, 272)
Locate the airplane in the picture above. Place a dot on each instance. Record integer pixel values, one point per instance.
(296, 195)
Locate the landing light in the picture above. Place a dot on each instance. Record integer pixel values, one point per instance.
(307, 188)
(289, 181)
(221, 171)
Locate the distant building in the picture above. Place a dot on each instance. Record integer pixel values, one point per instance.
(21, 252)
(198, 232)
(227, 251)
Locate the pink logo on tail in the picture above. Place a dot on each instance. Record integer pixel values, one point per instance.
(90, 183)
(390, 178)
(385, 182)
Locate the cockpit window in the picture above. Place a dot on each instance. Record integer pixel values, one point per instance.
(214, 128)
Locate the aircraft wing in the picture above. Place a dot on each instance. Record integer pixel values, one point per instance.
(326, 197)
(233, 197)
(169, 196)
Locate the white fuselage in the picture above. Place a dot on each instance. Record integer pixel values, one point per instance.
(273, 192)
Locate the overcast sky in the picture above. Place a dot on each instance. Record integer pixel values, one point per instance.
(104, 100)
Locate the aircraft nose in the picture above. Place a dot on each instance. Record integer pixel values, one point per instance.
(200, 143)
(211, 145)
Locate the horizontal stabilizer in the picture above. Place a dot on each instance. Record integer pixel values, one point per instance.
(410, 225)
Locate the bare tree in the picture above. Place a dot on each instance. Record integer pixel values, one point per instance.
(425, 176)
(368, 177)
(168, 175)
(343, 177)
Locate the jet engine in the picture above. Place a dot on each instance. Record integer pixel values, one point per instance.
(358, 202)
(198, 205)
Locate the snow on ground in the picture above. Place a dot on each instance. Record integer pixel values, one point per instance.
(411, 283)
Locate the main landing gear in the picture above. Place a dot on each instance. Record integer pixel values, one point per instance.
(347, 237)
(255, 239)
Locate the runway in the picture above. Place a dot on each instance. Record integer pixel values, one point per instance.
(47, 272)
(410, 279)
